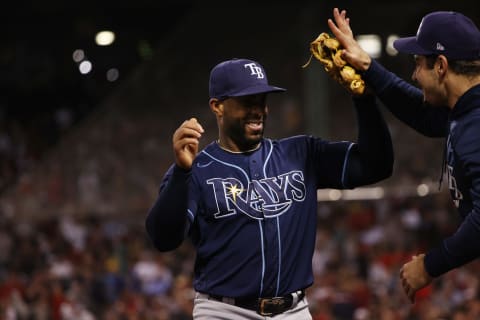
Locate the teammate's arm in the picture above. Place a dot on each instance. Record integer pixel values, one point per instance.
(462, 247)
(404, 100)
(167, 221)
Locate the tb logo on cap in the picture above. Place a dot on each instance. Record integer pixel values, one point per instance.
(255, 70)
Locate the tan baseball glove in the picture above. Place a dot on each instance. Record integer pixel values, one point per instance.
(328, 51)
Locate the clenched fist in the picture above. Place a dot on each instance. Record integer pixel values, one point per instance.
(185, 143)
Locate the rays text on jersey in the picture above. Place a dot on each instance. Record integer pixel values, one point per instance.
(264, 198)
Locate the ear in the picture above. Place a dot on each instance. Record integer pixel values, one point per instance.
(441, 65)
(216, 106)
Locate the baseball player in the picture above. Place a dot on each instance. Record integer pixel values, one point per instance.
(249, 203)
(447, 70)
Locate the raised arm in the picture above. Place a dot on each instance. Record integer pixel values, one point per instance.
(404, 100)
(167, 222)
(371, 158)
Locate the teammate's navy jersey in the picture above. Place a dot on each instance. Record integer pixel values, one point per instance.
(262, 207)
(461, 127)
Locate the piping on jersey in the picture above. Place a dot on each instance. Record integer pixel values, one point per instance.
(270, 145)
(344, 170)
(278, 221)
(259, 221)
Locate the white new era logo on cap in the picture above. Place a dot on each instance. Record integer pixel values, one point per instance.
(440, 47)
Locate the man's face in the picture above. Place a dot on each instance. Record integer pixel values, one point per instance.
(244, 119)
(429, 81)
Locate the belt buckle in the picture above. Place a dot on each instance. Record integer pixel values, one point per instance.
(269, 302)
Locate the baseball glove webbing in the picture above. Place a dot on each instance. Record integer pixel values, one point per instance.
(328, 51)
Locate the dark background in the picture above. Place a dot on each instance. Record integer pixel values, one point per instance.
(81, 158)
(40, 83)
(37, 73)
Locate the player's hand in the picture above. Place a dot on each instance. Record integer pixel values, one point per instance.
(185, 143)
(414, 276)
(352, 52)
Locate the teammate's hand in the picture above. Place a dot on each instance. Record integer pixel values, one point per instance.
(352, 52)
(414, 276)
(186, 141)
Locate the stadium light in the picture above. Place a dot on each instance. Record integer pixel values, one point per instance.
(112, 74)
(85, 67)
(389, 45)
(423, 190)
(104, 38)
(371, 43)
(78, 55)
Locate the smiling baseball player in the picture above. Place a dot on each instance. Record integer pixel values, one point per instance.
(249, 204)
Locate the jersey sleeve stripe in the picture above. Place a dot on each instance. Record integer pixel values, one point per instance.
(190, 215)
(345, 162)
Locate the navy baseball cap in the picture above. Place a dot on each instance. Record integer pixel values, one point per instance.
(443, 32)
(239, 77)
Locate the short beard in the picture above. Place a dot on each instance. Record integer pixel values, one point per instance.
(238, 135)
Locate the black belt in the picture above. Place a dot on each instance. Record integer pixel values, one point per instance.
(265, 306)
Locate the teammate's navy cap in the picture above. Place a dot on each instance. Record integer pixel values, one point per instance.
(443, 32)
(239, 77)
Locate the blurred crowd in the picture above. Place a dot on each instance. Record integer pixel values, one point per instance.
(25, 139)
(89, 268)
(361, 246)
(93, 267)
(73, 244)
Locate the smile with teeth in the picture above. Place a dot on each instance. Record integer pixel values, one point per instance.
(254, 124)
